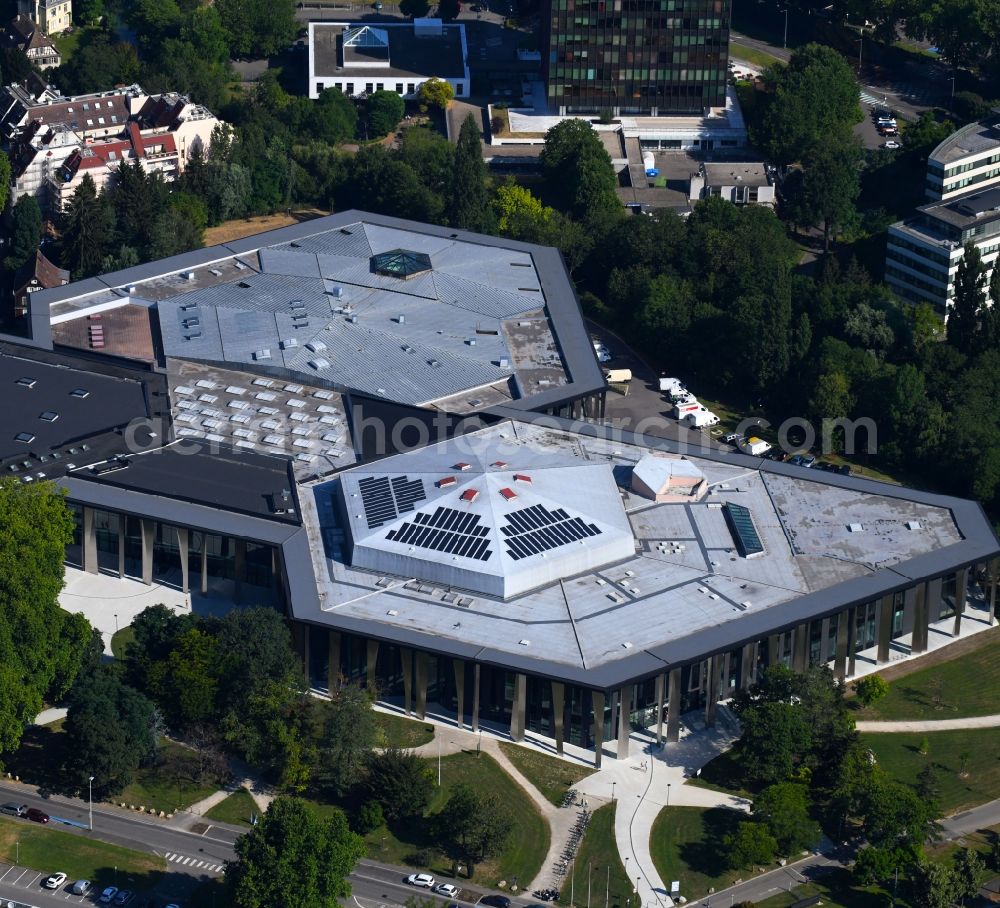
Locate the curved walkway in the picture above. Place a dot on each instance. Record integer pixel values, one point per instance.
(911, 725)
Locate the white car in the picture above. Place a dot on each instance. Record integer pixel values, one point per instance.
(108, 895)
(604, 355)
(54, 881)
(891, 145)
(448, 890)
(423, 880)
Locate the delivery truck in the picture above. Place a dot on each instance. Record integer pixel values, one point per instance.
(618, 376)
(754, 445)
(700, 418)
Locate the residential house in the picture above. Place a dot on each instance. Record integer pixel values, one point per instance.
(38, 273)
(24, 35)
(52, 16)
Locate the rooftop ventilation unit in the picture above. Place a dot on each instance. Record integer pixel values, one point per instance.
(24, 437)
(353, 319)
(49, 416)
(289, 343)
(337, 292)
(27, 382)
(446, 481)
(188, 276)
(319, 363)
(461, 465)
(262, 354)
(315, 346)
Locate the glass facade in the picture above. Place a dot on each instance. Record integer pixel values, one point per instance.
(649, 57)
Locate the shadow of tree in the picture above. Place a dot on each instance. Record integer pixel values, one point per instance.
(706, 857)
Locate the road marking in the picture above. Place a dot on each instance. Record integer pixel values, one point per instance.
(193, 863)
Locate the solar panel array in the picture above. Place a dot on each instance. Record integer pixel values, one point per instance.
(384, 499)
(536, 529)
(446, 530)
(744, 532)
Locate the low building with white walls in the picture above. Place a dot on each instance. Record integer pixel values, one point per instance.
(739, 183)
(969, 159)
(361, 59)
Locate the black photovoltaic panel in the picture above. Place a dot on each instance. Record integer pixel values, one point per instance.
(536, 529)
(385, 499)
(447, 530)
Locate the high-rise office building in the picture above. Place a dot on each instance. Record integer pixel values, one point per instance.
(648, 57)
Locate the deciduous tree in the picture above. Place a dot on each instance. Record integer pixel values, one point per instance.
(474, 826)
(751, 845)
(384, 109)
(870, 688)
(292, 857)
(399, 781)
(578, 172)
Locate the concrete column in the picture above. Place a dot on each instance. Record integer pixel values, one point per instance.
(148, 530)
(371, 662)
(420, 659)
(558, 713)
(458, 667)
(333, 660)
(840, 658)
(183, 536)
(122, 526)
(240, 568)
(934, 600)
(711, 688)
(660, 699)
(911, 615)
(624, 726)
(747, 665)
(598, 700)
(824, 636)
(883, 634)
(406, 657)
(475, 697)
(800, 650)
(852, 640)
(961, 591)
(204, 563)
(920, 616)
(674, 706)
(89, 542)
(518, 707)
(991, 579)
(774, 649)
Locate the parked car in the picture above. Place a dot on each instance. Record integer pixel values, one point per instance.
(447, 889)
(14, 810)
(731, 438)
(423, 880)
(603, 352)
(892, 144)
(123, 898)
(55, 880)
(802, 460)
(108, 895)
(80, 887)
(844, 469)
(36, 815)
(495, 901)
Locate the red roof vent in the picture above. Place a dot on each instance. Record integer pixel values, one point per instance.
(462, 466)
(446, 481)
(509, 494)
(522, 477)
(499, 464)
(470, 495)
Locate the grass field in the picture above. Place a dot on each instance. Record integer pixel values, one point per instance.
(751, 55)
(402, 732)
(236, 809)
(170, 783)
(898, 754)
(120, 640)
(598, 866)
(550, 775)
(968, 687)
(241, 227)
(412, 842)
(721, 774)
(49, 850)
(686, 845)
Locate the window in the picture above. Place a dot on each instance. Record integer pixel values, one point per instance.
(320, 87)
(350, 88)
(381, 86)
(369, 88)
(459, 88)
(399, 88)
(410, 88)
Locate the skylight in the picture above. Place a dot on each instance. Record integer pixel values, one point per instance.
(401, 263)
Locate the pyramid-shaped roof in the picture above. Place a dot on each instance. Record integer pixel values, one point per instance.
(496, 521)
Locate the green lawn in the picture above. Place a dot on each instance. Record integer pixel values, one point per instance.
(836, 890)
(236, 809)
(722, 773)
(169, 783)
(402, 732)
(120, 640)
(898, 754)
(751, 55)
(550, 775)
(598, 866)
(968, 687)
(686, 845)
(412, 842)
(49, 850)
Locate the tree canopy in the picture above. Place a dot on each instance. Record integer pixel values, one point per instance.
(293, 858)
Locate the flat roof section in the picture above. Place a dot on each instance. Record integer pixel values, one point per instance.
(969, 140)
(56, 404)
(409, 56)
(314, 281)
(124, 331)
(821, 543)
(238, 482)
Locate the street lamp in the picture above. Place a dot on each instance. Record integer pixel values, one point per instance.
(90, 803)
(613, 795)
(17, 846)
(116, 622)
(668, 794)
(784, 42)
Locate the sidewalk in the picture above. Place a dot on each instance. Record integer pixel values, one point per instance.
(930, 724)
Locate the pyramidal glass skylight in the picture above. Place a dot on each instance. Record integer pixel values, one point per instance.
(401, 263)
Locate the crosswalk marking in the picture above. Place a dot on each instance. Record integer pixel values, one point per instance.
(194, 863)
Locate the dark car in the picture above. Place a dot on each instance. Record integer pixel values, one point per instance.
(38, 816)
(13, 809)
(495, 901)
(844, 469)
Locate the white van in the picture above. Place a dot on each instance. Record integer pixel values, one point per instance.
(700, 418)
(618, 376)
(754, 445)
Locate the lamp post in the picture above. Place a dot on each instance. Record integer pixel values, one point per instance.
(861, 46)
(590, 874)
(784, 42)
(90, 803)
(17, 852)
(607, 888)
(613, 795)
(116, 622)
(668, 794)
